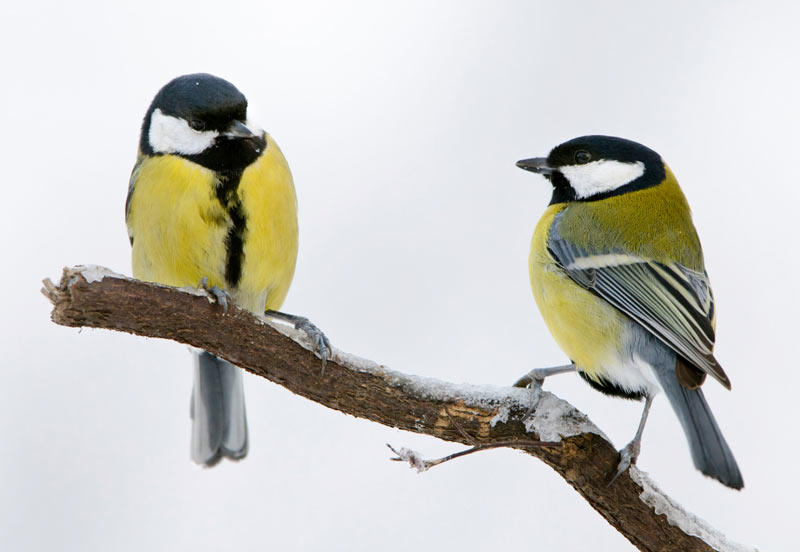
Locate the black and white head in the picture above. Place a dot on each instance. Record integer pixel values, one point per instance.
(202, 118)
(590, 168)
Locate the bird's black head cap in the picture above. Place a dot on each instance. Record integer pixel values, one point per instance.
(203, 97)
(586, 150)
(207, 104)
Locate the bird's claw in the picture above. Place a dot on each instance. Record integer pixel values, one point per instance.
(220, 295)
(536, 395)
(627, 456)
(533, 380)
(319, 341)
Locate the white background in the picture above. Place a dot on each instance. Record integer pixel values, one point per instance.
(401, 123)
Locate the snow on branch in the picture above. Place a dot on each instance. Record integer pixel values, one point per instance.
(476, 415)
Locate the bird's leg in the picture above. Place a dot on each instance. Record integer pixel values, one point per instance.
(535, 378)
(222, 297)
(319, 340)
(630, 453)
(538, 374)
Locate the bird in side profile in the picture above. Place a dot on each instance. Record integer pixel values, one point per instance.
(211, 202)
(617, 271)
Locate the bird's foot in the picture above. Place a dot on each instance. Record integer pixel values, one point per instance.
(220, 295)
(630, 453)
(627, 456)
(320, 343)
(533, 380)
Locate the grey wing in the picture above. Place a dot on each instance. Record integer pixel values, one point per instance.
(671, 301)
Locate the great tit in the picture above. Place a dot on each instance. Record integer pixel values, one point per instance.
(211, 202)
(617, 272)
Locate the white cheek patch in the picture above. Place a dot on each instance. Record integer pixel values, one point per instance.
(174, 135)
(601, 176)
(254, 127)
(254, 114)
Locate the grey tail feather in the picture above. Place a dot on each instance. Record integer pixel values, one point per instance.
(219, 423)
(710, 451)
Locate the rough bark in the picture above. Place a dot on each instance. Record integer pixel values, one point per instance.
(86, 297)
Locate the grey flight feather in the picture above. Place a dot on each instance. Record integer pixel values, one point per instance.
(710, 451)
(672, 301)
(219, 423)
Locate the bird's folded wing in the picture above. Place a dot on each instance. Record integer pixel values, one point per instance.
(673, 302)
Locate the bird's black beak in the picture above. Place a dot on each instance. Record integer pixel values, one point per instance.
(238, 129)
(536, 164)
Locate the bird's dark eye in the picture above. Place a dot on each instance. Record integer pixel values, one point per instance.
(582, 157)
(197, 124)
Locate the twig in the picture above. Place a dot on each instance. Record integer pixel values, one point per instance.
(421, 465)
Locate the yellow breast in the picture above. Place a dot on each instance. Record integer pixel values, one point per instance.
(586, 328)
(179, 227)
(270, 244)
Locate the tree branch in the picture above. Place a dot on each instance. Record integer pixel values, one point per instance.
(96, 297)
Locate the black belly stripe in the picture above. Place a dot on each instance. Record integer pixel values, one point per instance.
(226, 191)
(611, 388)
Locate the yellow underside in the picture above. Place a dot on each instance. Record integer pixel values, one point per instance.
(179, 228)
(587, 328)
